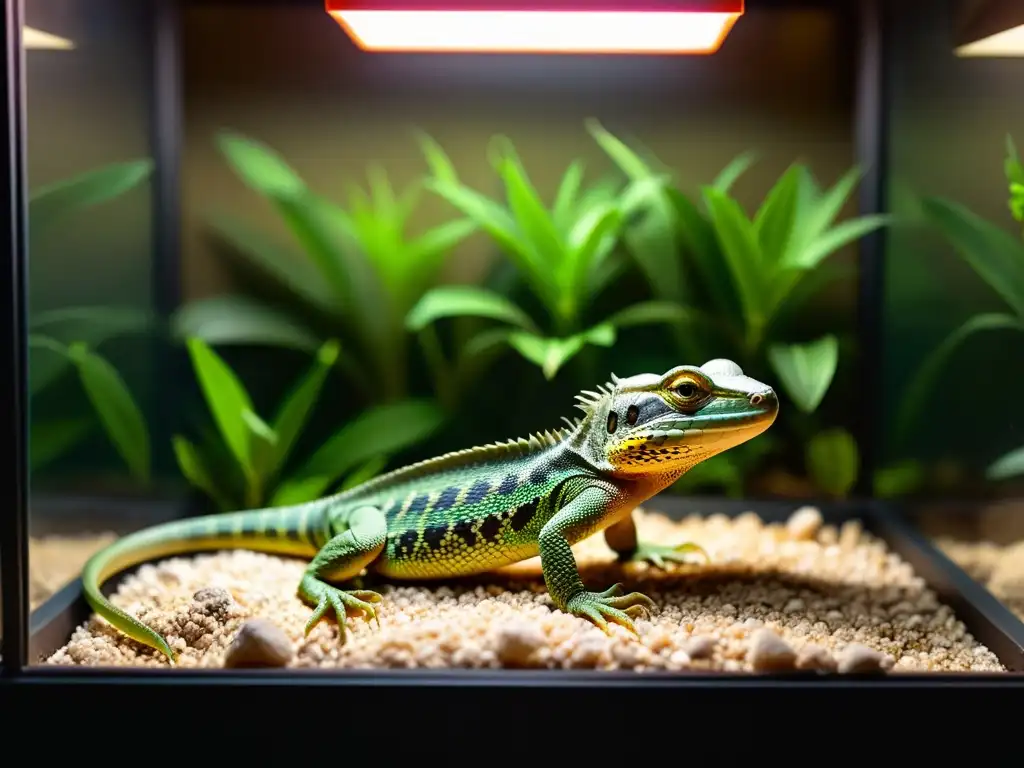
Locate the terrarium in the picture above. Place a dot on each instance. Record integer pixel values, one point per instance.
(386, 337)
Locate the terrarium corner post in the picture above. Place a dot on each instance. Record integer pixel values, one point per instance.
(871, 126)
(13, 410)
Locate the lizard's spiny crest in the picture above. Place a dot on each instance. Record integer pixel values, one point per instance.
(590, 402)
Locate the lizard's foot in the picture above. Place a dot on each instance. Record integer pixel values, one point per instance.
(610, 605)
(330, 598)
(657, 554)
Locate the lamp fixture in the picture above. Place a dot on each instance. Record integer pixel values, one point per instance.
(36, 39)
(538, 26)
(994, 29)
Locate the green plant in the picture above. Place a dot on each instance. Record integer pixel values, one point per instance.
(565, 254)
(355, 276)
(746, 276)
(67, 339)
(245, 464)
(997, 257)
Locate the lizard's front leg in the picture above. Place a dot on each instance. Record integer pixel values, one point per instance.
(622, 538)
(580, 515)
(342, 559)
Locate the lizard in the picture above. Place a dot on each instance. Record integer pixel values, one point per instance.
(477, 509)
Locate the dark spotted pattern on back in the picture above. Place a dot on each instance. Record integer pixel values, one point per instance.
(508, 485)
(464, 530)
(539, 474)
(406, 542)
(478, 492)
(434, 535)
(523, 514)
(447, 498)
(489, 529)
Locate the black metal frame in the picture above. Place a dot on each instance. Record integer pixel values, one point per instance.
(987, 618)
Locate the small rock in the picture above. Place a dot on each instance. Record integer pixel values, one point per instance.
(768, 651)
(857, 658)
(700, 647)
(815, 657)
(804, 524)
(259, 643)
(516, 643)
(212, 595)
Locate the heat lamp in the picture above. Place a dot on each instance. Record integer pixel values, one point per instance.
(993, 29)
(538, 26)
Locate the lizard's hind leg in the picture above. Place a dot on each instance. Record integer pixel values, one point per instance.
(342, 559)
(622, 539)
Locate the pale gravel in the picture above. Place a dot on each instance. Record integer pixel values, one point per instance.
(775, 596)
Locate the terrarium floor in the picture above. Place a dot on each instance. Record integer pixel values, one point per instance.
(775, 596)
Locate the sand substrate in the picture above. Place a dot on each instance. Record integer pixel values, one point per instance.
(999, 567)
(53, 561)
(777, 596)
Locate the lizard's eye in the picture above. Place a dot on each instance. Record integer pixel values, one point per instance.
(687, 390)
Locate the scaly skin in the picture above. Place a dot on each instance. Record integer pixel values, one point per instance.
(478, 509)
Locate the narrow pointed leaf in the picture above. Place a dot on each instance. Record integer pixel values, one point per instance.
(1006, 466)
(565, 198)
(465, 301)
(384, 430)
(650, 312)
(918, 390)
(831, 241)
(241, 320)
(120, 415)
(777, 215)
(294, 413)
(993, 253)
(49, 205)
(226, 398)
(806, 370)
(192, 468)
(738, 242)
(258, 166)
(731, 173)
(628, 161)
(551, 354)
(367, 471)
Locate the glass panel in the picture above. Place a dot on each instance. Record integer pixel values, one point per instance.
(96, 460)
(954, 287)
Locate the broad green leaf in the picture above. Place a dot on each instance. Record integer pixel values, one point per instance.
(736, 168)
(241, 320)
(191, 465)
(738, 241)
(121, 417)
(48, 440)
(262, 169)
(297, 406)
(259, 427)
(806, 370)
(775, 219)
(551, 354)
(49, 205)
(1006, 466)
(831, 241)
(898, 479)
(383, 430)
(465, 301)
(367, 471)
(227, 399)
(917, 392)
(833, 461)
(294, 273)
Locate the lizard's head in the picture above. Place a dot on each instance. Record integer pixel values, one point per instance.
(662, 425)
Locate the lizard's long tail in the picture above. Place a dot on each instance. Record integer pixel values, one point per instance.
(283, 530)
